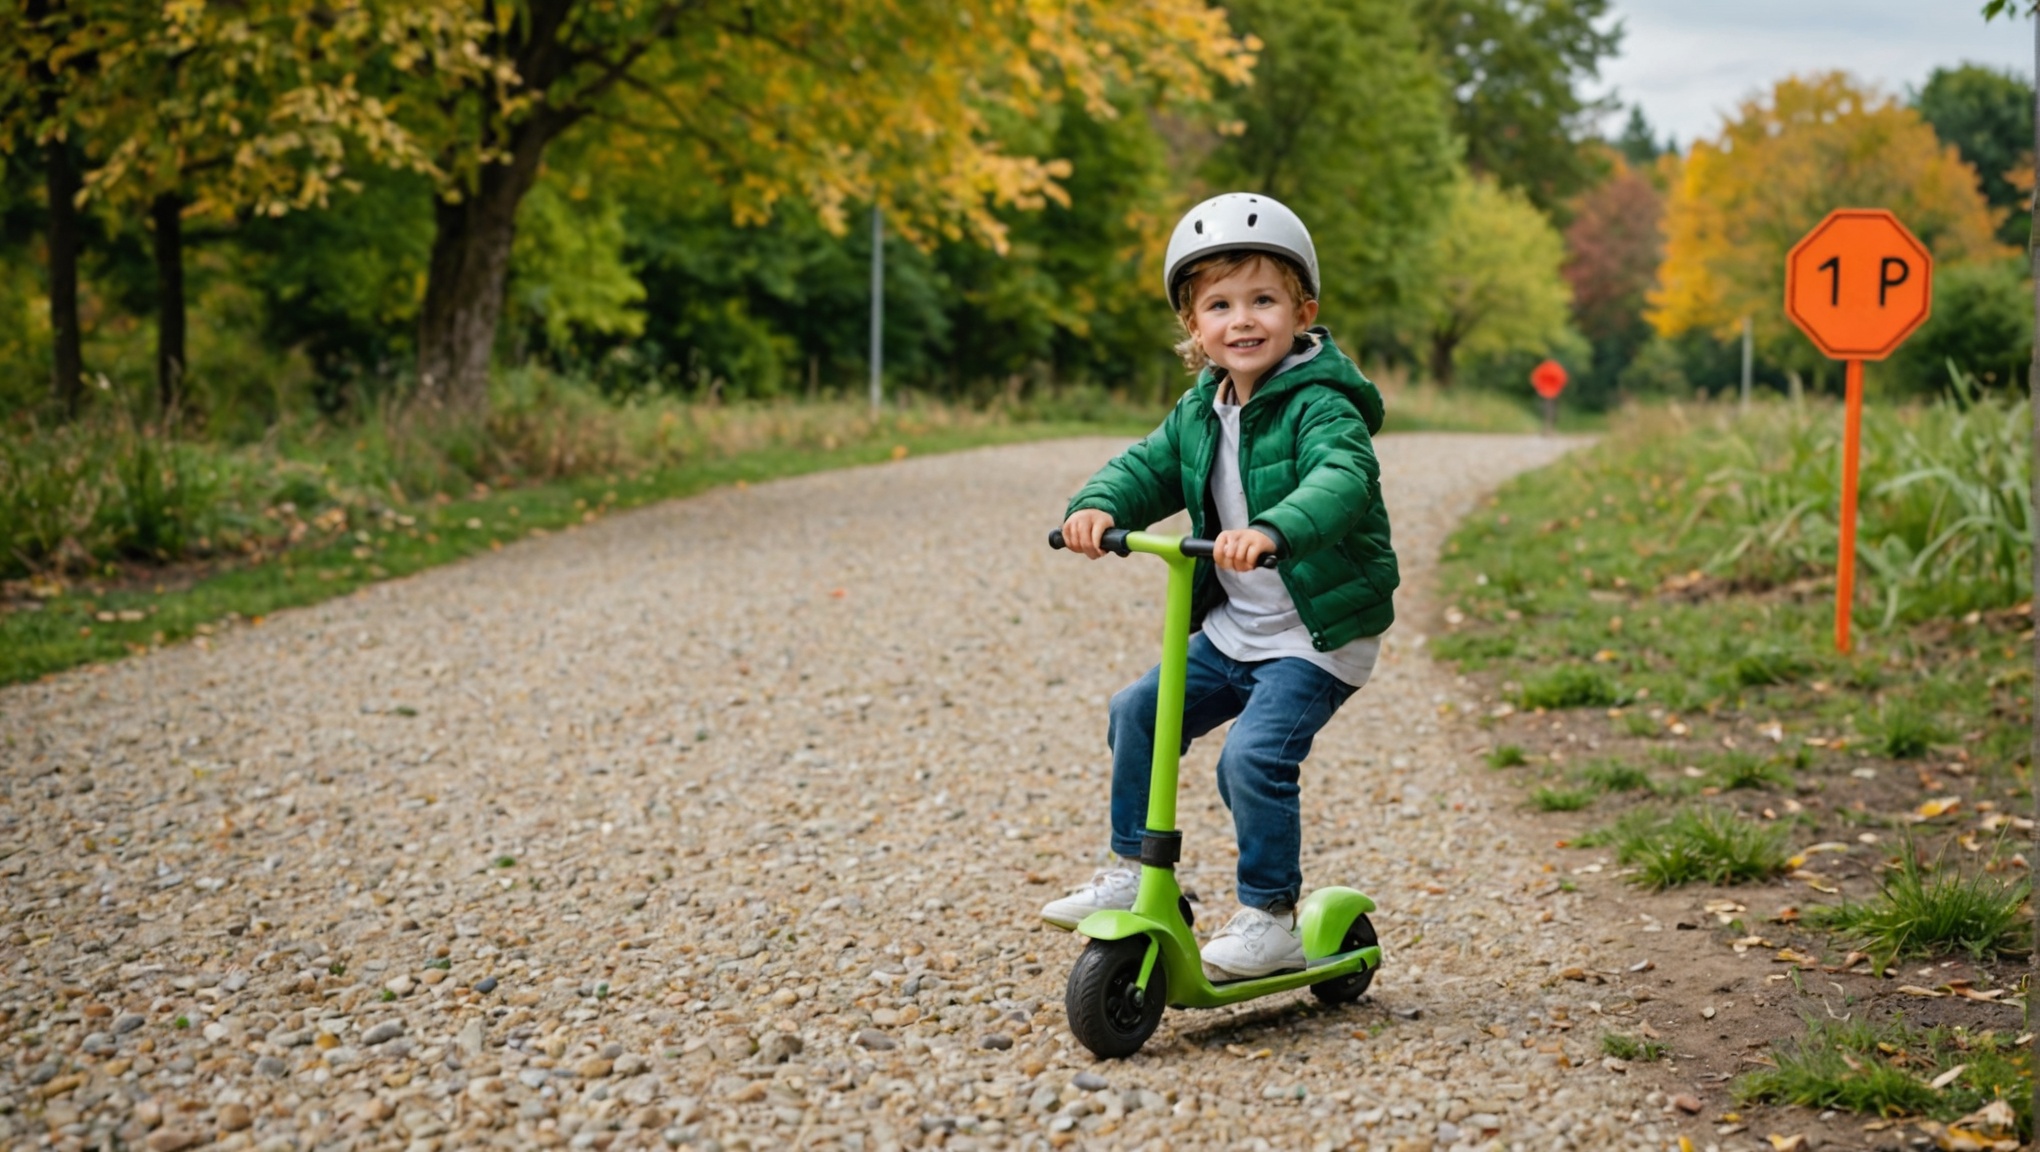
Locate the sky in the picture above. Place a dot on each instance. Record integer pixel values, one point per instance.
(1689, 62)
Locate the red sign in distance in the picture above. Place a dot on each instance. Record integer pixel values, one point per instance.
(1859, 284)
(1549, 379)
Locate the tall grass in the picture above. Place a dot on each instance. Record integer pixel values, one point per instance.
(1945, 517)
(108, 489)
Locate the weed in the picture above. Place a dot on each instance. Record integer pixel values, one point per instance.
(1710, 845)
(1639, 725)
(1888, 1069)
(1738, 769)
(1921, 913)
(1507, 756)
(1903, 732)
(1766, 665)
(1609, 776)
(1625, 1047)
(1568, 686)
(1561, 799)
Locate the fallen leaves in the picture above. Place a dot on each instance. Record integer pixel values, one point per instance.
(1991, 1128)
(1934, 809)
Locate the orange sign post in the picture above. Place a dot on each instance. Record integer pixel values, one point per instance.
(1857, 285)
(1548, 379)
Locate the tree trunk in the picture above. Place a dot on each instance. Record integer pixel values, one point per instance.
(67, 366)
(167, 213)
(1444, 344)
(469, 273)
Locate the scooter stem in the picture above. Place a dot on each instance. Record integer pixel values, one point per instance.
(1161, 813)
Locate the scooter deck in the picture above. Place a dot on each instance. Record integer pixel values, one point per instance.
(1205, 994)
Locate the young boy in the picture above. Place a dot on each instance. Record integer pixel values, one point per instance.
(1271, 452)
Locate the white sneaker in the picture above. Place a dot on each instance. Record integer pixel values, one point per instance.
(1112, 887)
(1254, 943)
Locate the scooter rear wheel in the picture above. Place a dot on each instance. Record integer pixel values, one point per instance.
(1107, 1011)
(1347, 989)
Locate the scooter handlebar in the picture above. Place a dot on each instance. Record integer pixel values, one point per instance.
(1114, 541)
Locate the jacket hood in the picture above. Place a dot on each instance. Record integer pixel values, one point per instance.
(1315, 360)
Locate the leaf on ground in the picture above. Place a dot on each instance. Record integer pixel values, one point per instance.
(1947, 1078)
(1916, 990)
(1935, 808)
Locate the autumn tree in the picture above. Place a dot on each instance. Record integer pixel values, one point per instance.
(1516, 70)
(1492, 284)
(886, 101)
(1613, 246)
(1740, 201)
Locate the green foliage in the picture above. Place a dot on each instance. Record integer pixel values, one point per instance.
(1988, 116)
(1923, 912)
(1567, 686)
(1346, 121)
(1904, 731)
(1736, 770)
(1981, 327)
(1491, 282)
(568, 275)
(1886, 1069)
(1516, 71)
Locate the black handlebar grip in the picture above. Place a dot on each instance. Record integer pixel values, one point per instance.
(1114, 541)
(1195, 546)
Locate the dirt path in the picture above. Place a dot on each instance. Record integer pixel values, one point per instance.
(724, 824)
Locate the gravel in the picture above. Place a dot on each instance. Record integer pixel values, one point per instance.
(724, 824)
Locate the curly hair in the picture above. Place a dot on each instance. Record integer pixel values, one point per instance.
(1217, 268)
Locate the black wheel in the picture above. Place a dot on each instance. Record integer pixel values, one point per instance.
(1111, 1016)
(1347, 989)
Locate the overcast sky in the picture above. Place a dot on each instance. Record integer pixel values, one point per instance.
(1690, 61)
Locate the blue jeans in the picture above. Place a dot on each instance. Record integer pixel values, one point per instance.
(1280, 705)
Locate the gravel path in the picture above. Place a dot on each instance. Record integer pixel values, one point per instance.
(724, 823)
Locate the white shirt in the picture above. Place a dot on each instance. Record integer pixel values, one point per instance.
(1258, 620)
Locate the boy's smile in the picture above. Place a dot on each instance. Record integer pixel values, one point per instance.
(1247, 321)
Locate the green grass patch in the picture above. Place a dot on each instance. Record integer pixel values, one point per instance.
(1903, 731)
(1610, 776)
(1561, 799)
(1635, 1049)
(1507, 756)
(1887, 1069)
(1710, 845)
(1737, 769)
(1922, 912)
(1567, 686)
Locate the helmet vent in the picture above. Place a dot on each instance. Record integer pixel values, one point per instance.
(1198, 227)
(1252, 217)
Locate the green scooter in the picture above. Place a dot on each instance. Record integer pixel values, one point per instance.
(1142, 960)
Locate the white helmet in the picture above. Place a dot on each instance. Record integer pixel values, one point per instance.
(1239, 222)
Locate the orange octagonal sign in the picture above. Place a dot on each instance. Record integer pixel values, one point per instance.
(1858, 284)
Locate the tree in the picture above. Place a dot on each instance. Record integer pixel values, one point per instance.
(1515, 68)
(1738, 203)
(1613, 246)
(1988, 116)
(1637, 143)
(1347, 122)
(829, 104)
(1493, 282)
(220, 112)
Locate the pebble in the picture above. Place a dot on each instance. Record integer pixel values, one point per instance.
(734, 797)
(234, 1117)
(1688, 1104)
(171, 1139)
(98, 1044)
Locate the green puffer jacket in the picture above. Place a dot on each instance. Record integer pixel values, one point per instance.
(1307, 462)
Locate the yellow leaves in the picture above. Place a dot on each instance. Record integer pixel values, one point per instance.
(1933, 809)
(1738, 202)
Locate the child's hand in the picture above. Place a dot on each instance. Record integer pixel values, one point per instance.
(1084, 529)
(1239, 550)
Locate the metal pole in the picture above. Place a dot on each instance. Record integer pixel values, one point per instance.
(1852, 440)
(1746, 358)
(877, 304)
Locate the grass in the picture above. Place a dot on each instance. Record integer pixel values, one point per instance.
(1923, 912)
(1609, 776)
(1567, 686)
(1507, 756)
(1888, 1069)
(1561, 799)
(1736, 769)
(1903, 731)
(1634, 1049)
(1710, 845)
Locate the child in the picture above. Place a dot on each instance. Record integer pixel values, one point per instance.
(1271, 452)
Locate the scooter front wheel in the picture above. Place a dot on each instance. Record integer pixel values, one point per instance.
(1346, 989)
(1108, 1012)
